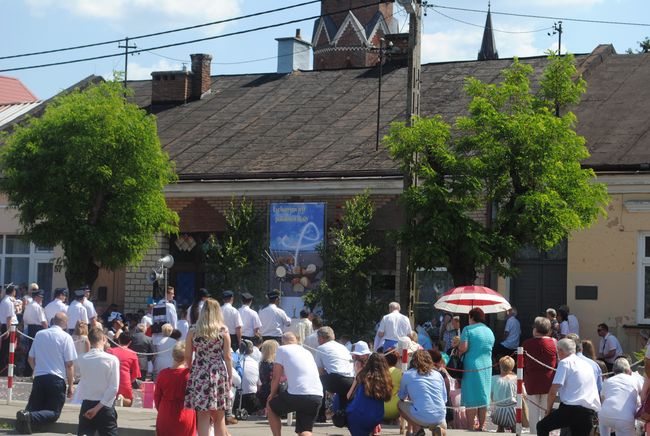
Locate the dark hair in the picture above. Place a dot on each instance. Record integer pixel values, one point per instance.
(257, 340)
(477, 315)
(124, 339)
(421, 361)
(304, 313)
(436, 356)
(561, 313)
(375, 377)
(603, 326)
(95, 335)
(194, 311)
(392, 358)
(176, 334)
(316, 322)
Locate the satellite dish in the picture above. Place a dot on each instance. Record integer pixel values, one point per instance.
(167, 261)
(154, 276)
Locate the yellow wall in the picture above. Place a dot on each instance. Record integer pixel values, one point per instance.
(605, 255)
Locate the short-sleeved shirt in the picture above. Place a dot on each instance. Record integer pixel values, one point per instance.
(537, 378)
(574, 325)
(427, 393)
(300, 370)
(273, 320)
(51, 349)
(90, 308)
(55, 306)
(513, 327)
(577, 383)
(129, 369)
(8, 309)
(598, 373)
(76, 312)
(250, 321)
(251, 378)
(620, 396)
(334, 358)
(231, 317)
(607, 344)
(394, 326)
(34, 314)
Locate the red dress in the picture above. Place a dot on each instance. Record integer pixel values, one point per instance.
(129, 369)
(173, 419)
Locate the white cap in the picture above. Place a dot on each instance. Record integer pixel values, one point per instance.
(361, 349)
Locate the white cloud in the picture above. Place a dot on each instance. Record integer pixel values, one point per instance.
(176, 11)
(143, 72)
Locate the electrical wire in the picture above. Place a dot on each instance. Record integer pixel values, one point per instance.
(164, 32)
(493, 29)
(544, 17)
(176, 44)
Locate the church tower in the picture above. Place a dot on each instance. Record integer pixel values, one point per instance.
(488, 47)
(343, 39)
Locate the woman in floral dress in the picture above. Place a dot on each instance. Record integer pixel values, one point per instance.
(211, 370)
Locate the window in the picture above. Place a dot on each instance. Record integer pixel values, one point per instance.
(22, 262)
(643, 279)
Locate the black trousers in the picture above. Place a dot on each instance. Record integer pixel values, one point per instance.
(580, 420)
(234, 342)
(4, 351)
(278, 339)
(104, 423)
(338, 384)
(32, 329)
(46, 399)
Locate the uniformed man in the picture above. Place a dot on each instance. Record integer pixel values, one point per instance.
(251, 323)
(77, 311)
(7, 318)
(231, 319)
(57, 305)
(34, 321)
(274, 320)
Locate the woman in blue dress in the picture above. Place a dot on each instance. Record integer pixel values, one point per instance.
(371, 388)
(476, 342)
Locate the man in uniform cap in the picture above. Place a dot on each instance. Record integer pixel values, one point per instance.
(34, 320)
(273, 319)
(77, 311)
(250, 319)
(7, 318)
(232, 319)
(90, 307)
(57, 305)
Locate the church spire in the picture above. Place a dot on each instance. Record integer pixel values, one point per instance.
(488, 47)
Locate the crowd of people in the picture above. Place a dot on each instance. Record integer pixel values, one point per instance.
(211, 361)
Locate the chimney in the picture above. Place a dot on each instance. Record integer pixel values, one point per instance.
(201, 80)
(293, 53)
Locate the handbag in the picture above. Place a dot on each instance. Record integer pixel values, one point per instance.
(340, 418)
(455, 365)
(644, 411)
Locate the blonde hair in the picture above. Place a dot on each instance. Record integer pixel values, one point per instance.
(506, 364)
(81, 329)
(210, 320)
(167, 329)
(178, 352)
(268, 349)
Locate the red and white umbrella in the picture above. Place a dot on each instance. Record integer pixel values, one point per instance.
(465, 298)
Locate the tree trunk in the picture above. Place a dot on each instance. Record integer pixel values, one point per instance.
(463, 275)
(81, 271)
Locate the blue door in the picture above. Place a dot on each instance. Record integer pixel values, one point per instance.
(185, 288)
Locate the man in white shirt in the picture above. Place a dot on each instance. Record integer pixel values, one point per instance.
(7, 318)
(33, 321)
(52, 356)
(609, 348)
(303, 327)
(579, 397)
(393, 326)
(57, 305)
(304, 392)
(620, 397)
(100, 378)
(90, 307)
(164, 312)
(511, 335)
(335, 366)
(598, 373)
(231, 319)
(77, 311)
(251, 323)
(274, 320)
(311, 341)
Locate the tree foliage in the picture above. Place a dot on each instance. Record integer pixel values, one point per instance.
(234, 260)
(510, 152)
(89, 175)
(344, 293)
(644, 46)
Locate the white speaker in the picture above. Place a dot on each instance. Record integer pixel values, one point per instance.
(154, 276)
(167, 261)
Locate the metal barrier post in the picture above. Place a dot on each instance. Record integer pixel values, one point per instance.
(10, 367)
(520, 384)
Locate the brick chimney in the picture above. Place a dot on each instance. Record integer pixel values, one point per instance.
(178, 87)
(201, 80)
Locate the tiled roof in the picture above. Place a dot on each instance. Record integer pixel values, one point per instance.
(13, 91)
(9, 112)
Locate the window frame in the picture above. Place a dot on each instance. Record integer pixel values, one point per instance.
(642, 263)
(35, 256)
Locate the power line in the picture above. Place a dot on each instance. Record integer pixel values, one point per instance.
(164, 32)
(208, 38)
(496, 30)
(512, 14)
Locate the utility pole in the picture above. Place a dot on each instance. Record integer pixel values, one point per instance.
(126, 48)
(557, 29)
(414, 9)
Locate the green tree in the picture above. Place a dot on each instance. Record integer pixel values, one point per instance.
(348, 262)
(89, 175)
(234, 260)
(644, 46)
(511, 152)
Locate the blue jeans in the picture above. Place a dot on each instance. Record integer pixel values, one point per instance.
(46, 399)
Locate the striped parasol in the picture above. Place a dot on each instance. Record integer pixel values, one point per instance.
(465, 298)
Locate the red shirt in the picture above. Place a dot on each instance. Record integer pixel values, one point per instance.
(129, 369)
(537, 378)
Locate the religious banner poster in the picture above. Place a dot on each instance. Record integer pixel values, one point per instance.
(296, 231)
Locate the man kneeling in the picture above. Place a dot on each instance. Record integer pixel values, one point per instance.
(304, 390)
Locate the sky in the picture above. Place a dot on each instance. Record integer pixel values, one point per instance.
(35, 25)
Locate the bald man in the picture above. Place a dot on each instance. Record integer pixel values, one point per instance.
(304, 390)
